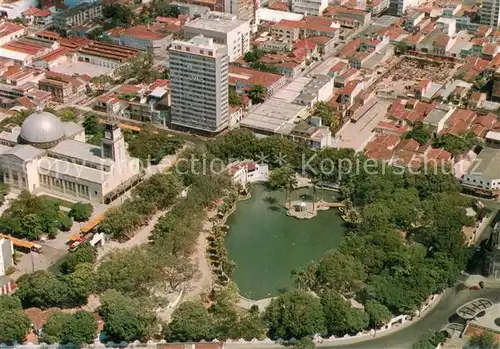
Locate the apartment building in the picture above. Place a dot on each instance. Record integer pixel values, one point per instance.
(291, 31)
(309, 7)
(199, 85)
(77, 15)
(490, 13)
(225, 29)
(243, 9)
(399, 7)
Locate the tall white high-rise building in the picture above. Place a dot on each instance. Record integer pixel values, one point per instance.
(225, 29)
(490, 13)
(199, 85)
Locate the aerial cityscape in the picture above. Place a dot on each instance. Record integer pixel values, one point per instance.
(236, 174)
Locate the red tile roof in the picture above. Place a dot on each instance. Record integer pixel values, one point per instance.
(43, 13)
(305, 44)
(338, 67)
(31, 11)
(48, 57)
(7, 28)
(280, 6)
(249, 76)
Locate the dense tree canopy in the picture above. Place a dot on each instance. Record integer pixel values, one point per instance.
(127, 318)
(30, 216)
(78, 328)
(294, 314)
(152, 145)
(41, 289)
(340, 272)
(85, 253)
(135, 279)
(118, 14)
(190, 322)
(81, 212)
(14, 323)
(457, 144)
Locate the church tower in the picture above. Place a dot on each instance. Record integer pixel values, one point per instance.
(113, 145)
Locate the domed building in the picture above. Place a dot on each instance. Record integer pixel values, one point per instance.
(48, 155)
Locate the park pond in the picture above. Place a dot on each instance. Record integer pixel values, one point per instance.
(267, 245)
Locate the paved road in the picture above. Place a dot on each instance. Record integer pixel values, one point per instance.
(403, 338)
(435, 319)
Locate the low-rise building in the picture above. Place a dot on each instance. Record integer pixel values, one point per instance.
(10, 31)
(243, 79)
(376, 7)
(484, 174)
(104, 54)
(78, 15)
(15, 9)
(63, 87)
(37, 17)
(244, 172)
(142, 37)
(291, 31)
(345, 15)
(318, 89)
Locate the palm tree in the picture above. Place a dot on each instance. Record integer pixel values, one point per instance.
(299, 278)
(257, 93)
(291, 183)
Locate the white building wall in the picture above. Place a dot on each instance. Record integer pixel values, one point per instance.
(6, 255)
(476, 180)
(8, 38)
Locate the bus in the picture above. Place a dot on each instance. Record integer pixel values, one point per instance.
(94, 222)
(23, 244)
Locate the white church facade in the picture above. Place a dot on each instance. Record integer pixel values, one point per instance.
(50, 155)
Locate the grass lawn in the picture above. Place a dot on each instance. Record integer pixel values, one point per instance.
(62, 202)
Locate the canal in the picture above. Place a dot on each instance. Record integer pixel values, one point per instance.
(266, 244)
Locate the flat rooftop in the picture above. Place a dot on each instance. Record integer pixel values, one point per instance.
(82, 68)
(273, 114)
(216, 21)
(488, 162)
(437, 114)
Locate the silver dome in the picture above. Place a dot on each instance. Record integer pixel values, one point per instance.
(43, 129)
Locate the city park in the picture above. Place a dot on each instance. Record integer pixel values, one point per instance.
(401, 242)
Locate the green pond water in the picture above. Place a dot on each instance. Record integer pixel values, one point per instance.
(266, 244)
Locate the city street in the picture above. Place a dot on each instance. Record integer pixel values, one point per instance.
(402, 338)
